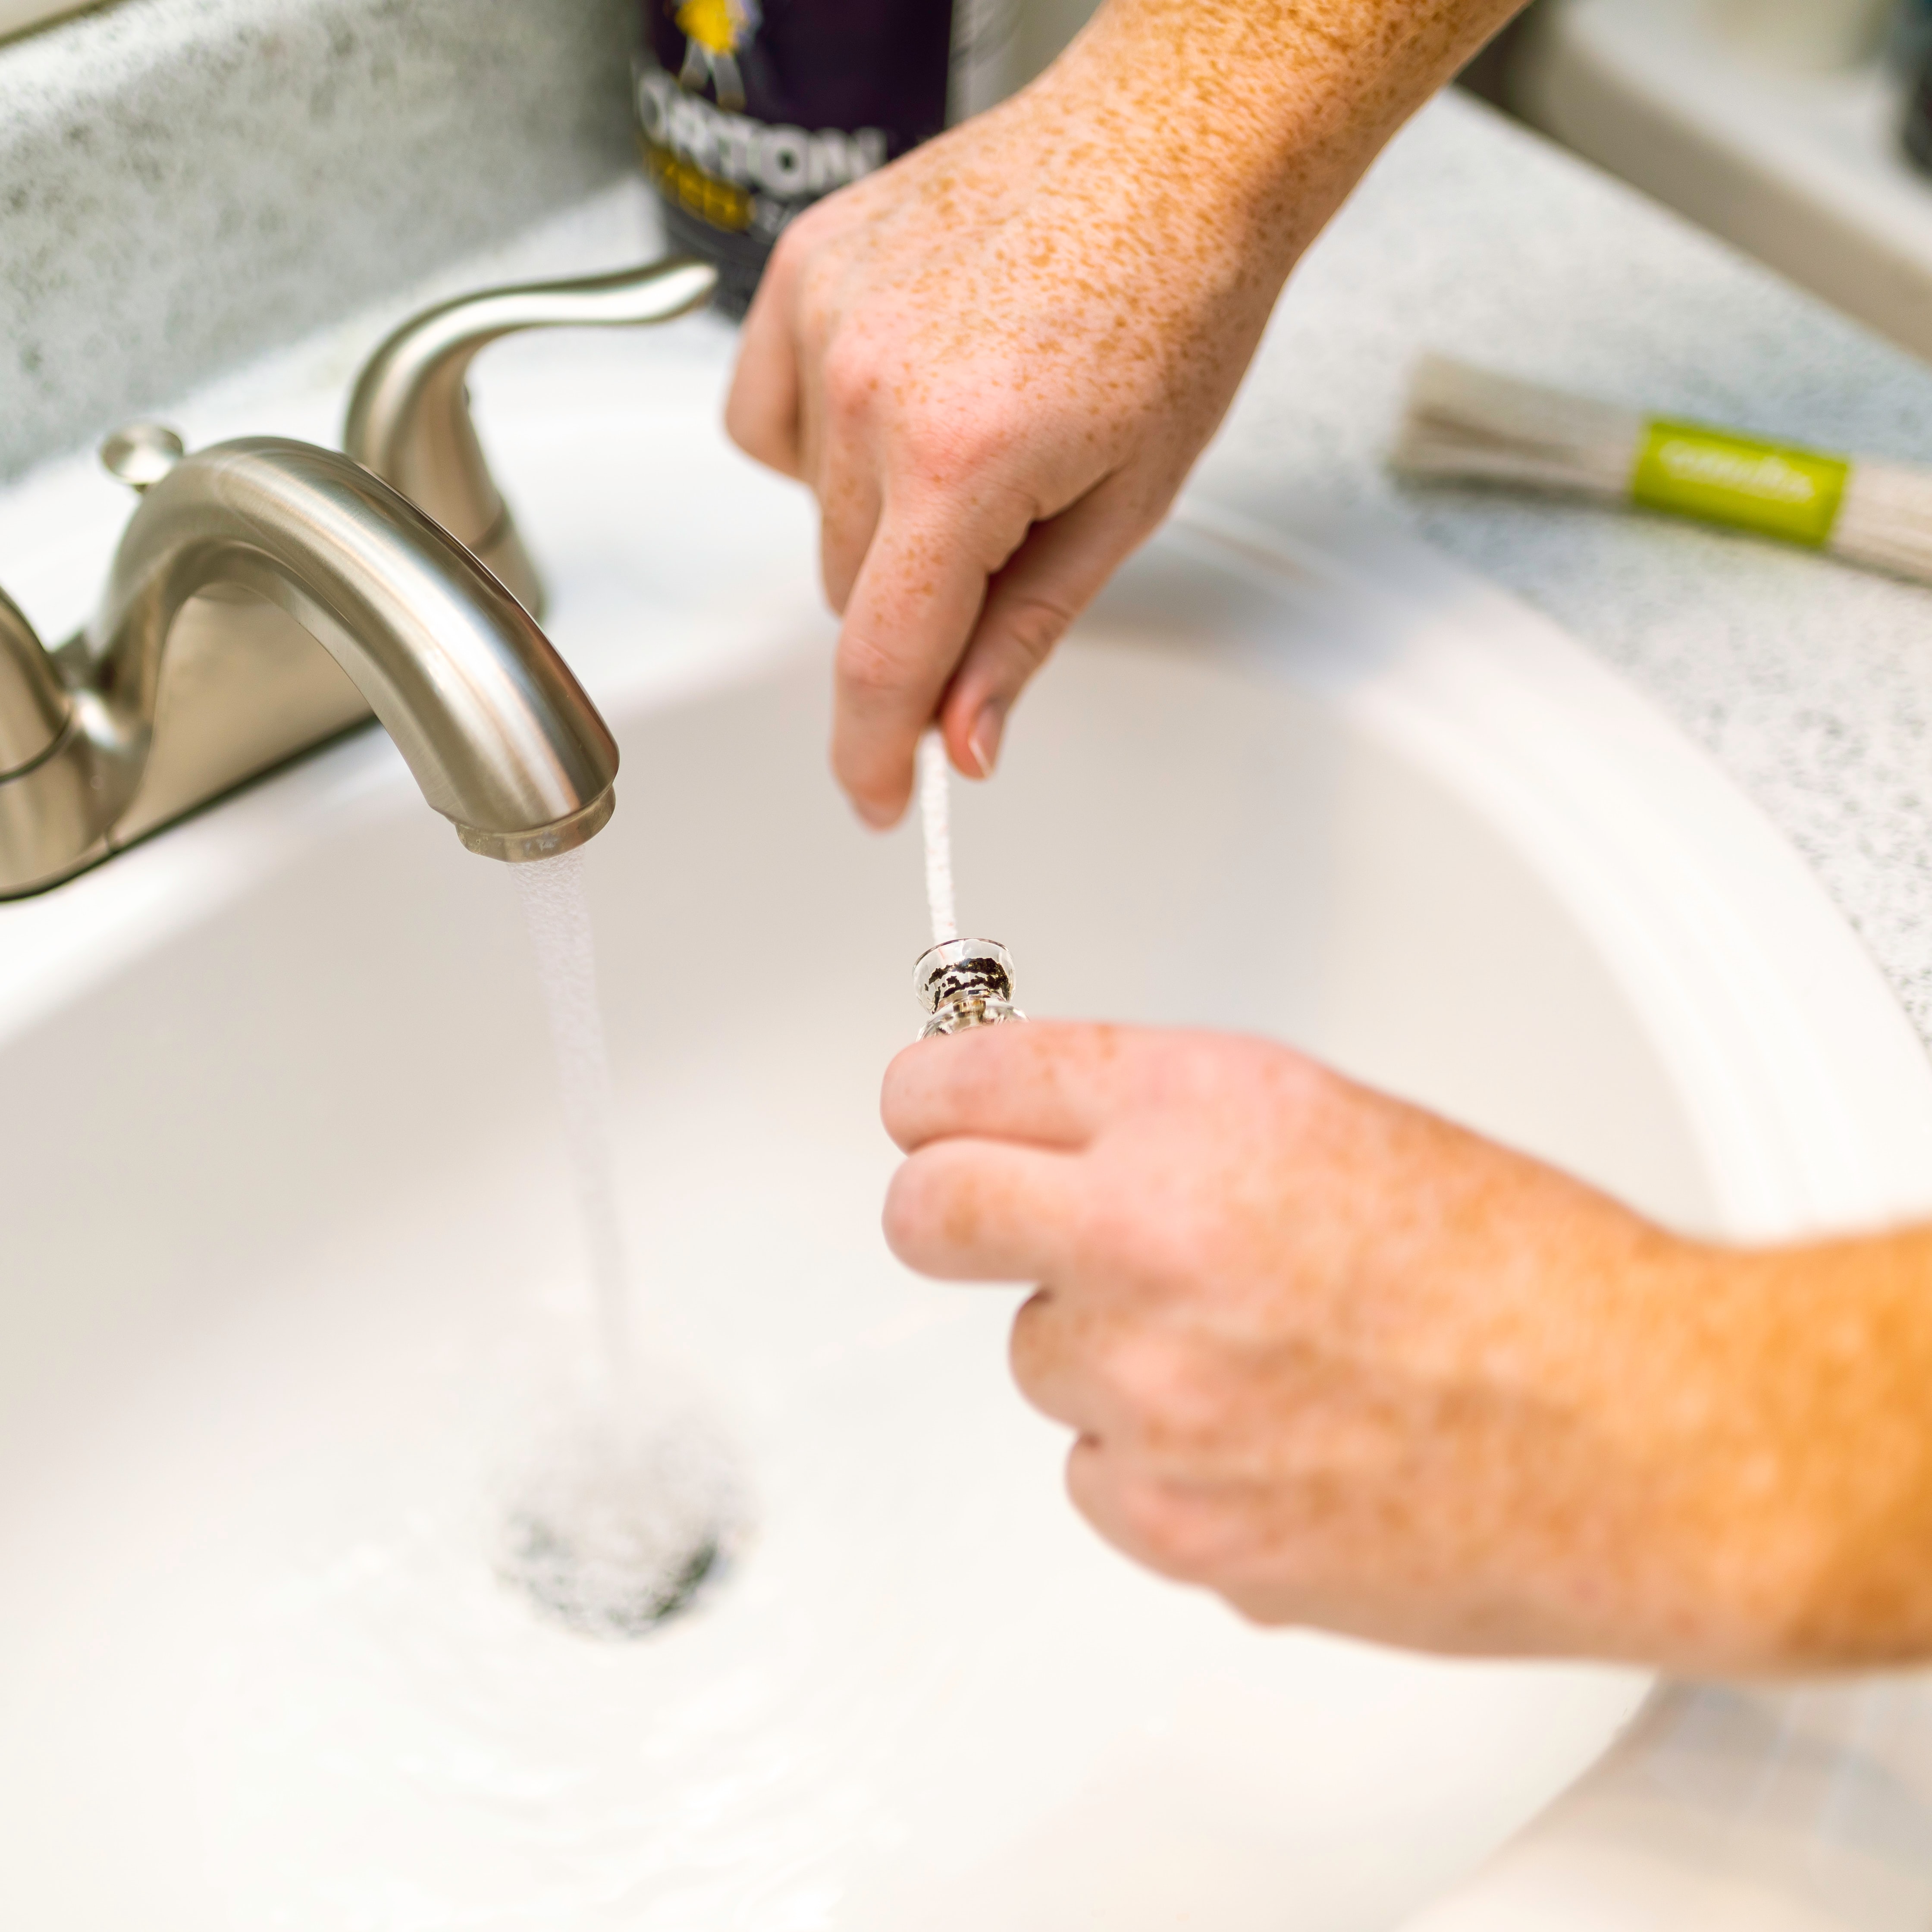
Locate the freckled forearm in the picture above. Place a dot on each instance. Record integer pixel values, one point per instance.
(1269, 111)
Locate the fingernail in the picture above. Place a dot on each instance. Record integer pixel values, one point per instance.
(873, 818)
(984, 743)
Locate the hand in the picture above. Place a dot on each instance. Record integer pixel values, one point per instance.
(995, 361)
(994, 369)
(1349, 1365)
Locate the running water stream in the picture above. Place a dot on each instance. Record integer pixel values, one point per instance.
(630, 1501)
(557, 914)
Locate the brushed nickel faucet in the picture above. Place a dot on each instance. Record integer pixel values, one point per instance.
(268, 596)
(496, 731)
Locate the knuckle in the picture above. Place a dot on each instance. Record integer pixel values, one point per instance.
(868, 669)
(872, 681)
(929, 445)
(990, 432)
(1032, 625)
(949, 442)
(849, 379)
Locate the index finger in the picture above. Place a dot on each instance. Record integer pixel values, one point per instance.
(1050, 1083)
(912, 610)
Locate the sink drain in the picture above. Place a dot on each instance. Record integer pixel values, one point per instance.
(612, 1528)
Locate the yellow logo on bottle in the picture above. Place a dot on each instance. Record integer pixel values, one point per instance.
(714, 31)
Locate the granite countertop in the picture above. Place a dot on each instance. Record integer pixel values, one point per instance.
(1810, 681)
(184, 184)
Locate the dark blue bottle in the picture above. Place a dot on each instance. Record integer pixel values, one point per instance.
(749, 110)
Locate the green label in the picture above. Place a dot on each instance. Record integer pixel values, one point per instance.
(1694, 472)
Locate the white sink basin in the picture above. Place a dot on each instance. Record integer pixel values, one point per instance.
(288, 1259)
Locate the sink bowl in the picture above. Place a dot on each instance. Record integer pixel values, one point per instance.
(291, 1277)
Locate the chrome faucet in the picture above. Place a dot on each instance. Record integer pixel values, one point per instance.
(248, 535)
(202, 670)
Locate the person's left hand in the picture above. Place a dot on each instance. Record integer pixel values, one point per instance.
(1348, 1364)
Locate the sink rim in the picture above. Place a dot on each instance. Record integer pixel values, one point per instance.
(1809, 1089)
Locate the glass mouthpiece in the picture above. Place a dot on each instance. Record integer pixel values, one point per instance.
(963, 983)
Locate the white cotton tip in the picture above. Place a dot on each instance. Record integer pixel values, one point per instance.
(612, 1526)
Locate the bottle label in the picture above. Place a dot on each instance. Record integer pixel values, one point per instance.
(750, 110)
(1722, 478)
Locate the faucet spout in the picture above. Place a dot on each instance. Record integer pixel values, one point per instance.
(498, 733)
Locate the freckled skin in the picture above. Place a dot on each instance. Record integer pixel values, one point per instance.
(1349, 1365)
(995, 362)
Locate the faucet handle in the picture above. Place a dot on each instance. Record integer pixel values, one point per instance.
(140, 453)
(34, 705)
(408, 417)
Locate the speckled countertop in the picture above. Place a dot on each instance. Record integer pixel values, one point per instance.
(1812, 682)
(183, 183)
